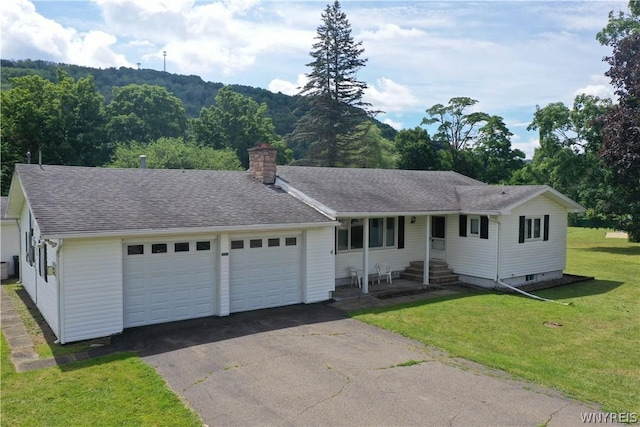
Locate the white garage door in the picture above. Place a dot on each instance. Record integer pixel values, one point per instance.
(266, 271)
(167, 281)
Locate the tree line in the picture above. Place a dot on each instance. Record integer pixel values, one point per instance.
(589, 151)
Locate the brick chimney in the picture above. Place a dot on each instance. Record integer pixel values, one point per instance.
(262, 163)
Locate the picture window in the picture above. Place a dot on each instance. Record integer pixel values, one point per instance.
(350, 233)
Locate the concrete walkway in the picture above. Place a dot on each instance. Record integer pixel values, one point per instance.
(23, 352)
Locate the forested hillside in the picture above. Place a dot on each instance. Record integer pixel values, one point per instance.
(194, 92)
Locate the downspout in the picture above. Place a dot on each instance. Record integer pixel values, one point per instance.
(60, 294)
(500, 282)
(20, 265)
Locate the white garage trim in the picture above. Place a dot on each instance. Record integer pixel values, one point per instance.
(169, 279)
(265, 270)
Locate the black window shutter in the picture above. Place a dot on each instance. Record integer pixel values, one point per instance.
(400, 232)
(463, 226)
(521, 231)
(546, 227)
(484, 227)
(44, 264)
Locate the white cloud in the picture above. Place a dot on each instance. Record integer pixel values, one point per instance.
(599, 86)
(390, 32)
(393, 123)
(528, 147)
(391, 96)
(601, 91)
(28, 35)
(219, 38)
(286, 87)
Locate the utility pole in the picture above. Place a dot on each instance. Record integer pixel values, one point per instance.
(164, 54)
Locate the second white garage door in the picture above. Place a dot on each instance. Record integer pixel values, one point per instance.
(266, 271)
(168, 281)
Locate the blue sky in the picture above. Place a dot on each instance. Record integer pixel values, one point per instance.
(509, 55)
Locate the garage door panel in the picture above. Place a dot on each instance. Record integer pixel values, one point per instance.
(267, 276)
(163, 287)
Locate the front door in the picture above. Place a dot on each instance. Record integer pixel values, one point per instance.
(438, 241)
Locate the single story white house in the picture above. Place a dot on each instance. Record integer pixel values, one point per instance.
(107, 249)
(9, 240)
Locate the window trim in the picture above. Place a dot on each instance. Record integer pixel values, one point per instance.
(345, 226)
(472, 219)
(530, 228)
(527, 227)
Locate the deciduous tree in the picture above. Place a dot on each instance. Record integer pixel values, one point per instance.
(237, 122)
(174, 153)
(144, 113)
(63, 120)
(496, 159)
(457, 128)
(416, 151)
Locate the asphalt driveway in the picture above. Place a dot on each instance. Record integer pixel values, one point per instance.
(309, 365)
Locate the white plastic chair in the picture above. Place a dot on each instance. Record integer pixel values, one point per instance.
(386, 273)
(355, 276)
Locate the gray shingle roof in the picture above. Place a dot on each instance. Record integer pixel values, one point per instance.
(379, 190)
(68, 199)
(494, 197)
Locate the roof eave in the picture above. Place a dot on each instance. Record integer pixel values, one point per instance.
(184, 230)
(555, 195)
(16, 198)
(361, 214)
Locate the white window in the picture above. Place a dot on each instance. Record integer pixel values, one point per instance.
(474, 226)
(350, 233)
(532, 228)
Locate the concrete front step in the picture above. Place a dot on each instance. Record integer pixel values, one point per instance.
(438, 280)
(439, 272)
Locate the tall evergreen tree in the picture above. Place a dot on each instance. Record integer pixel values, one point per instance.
(334, 93)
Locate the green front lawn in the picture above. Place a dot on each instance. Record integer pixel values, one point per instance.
(593, 356)
(107, 391)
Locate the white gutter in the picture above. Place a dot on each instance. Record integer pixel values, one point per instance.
(188, 231)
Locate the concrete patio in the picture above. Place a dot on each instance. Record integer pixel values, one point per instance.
(349, 298)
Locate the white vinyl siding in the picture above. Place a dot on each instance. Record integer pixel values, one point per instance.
(92, 286)
(533, 256)
(471, 255)
(43, 293)
(319, 263)
(398, 259)
(10, 242)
